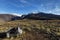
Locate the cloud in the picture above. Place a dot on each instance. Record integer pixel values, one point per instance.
(23, 1)
(50, 8)
(16, 14)
(20, 3)
(56, 10)
(16, 3)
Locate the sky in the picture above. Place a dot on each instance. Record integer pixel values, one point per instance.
(27, 6)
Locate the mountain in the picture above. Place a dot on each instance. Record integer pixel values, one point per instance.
(9, 17)
(41, 16)
(34, 16)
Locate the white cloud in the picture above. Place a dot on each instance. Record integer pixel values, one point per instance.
(16, 14)
(57, 9)
(16, 3)
(48, 9)
(23, 1)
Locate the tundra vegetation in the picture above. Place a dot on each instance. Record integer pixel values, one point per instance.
(34, 29)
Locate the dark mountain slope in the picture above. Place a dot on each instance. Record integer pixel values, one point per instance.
(42, 16)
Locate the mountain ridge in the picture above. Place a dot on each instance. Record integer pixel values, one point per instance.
(42, 16)
(34, 16)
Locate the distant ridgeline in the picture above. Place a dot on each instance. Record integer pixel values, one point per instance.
(34, 16)
(41, 16)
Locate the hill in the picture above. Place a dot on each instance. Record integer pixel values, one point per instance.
(8, 17)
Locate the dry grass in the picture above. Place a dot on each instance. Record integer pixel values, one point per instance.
(30, 28)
